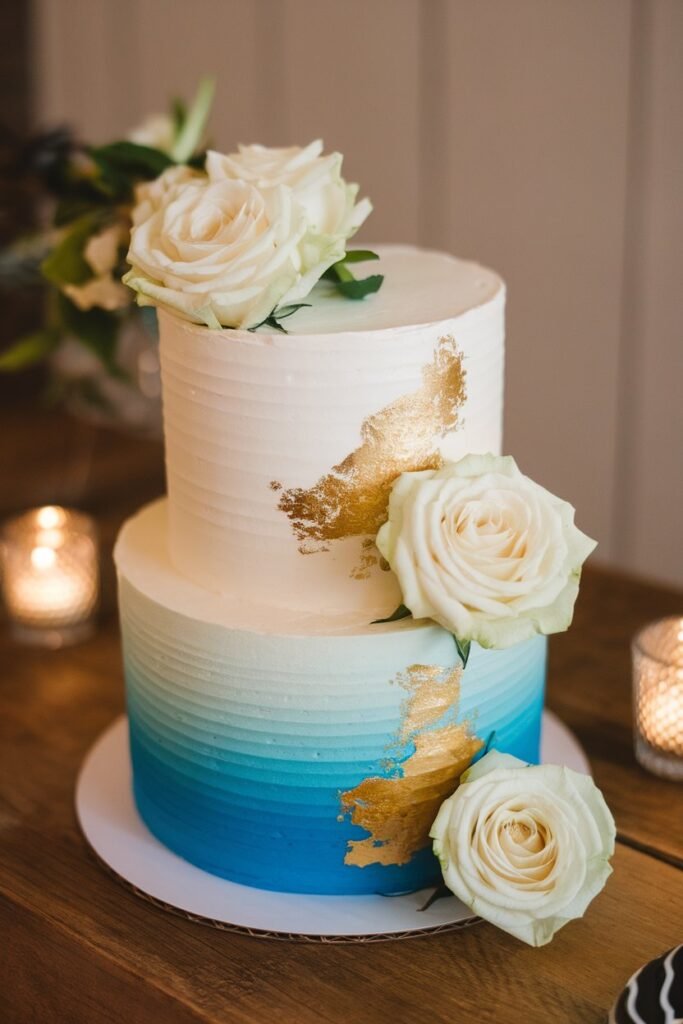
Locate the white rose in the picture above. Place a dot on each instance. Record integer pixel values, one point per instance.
(222, 253)
(315, 179)
(526, 848)
(484, 551)
(149, 195)
(157, 131)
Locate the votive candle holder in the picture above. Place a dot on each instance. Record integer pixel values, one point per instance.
(658, 697)
(50, 575)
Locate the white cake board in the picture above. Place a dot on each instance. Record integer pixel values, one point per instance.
(113, 828)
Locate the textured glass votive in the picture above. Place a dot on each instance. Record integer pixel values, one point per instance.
(658, 697)
(50, 578)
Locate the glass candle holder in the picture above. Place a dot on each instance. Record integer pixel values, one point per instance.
(50, 579)
(658, 697)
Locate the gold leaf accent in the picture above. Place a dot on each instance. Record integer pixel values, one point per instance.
(398, 811)
(351, 500)
(369, 557)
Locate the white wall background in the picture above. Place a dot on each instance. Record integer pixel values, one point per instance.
(542, 137)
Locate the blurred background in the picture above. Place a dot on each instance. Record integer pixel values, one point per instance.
(541, 137)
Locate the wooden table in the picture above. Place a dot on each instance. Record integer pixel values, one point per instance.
(76, 946)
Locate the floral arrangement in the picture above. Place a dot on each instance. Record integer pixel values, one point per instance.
(79, 257)
(236, 240)
(495, 559)
(242, 242)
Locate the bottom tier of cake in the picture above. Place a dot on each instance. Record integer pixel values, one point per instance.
(303, 755)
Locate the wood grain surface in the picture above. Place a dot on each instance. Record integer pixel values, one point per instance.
(79, 947)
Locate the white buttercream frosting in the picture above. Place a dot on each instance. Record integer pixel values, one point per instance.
(142, 559)
(253, 421)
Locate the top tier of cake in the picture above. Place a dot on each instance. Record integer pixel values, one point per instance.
(281, 448)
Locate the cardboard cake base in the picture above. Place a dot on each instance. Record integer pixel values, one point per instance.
(118, 836)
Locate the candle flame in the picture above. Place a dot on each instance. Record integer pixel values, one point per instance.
(43, 558)
(50, 517)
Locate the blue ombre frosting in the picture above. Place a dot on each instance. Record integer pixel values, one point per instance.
(243, 742)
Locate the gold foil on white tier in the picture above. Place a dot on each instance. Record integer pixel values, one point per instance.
(272, 440)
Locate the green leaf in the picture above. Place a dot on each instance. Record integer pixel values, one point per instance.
(284, 311)
(114, 184)
(122, 164)
(148, 316)
(96, 328)
(274, 325)
(71, 208)
(195, 122)
(338, 272)
(197, 161)
(488, 745)
(401, 613)
(66, 263)
(82, 183)
(342, 272)
(273, 319)
(28, 351)
(359, 256)
(134, 158)
(131, 159)
(441, 892)
(359, 289)
(179, 115)
(463, 649)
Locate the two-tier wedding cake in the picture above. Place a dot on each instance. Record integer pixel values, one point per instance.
(287, 730)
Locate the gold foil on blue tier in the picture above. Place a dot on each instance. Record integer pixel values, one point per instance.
(424, 762)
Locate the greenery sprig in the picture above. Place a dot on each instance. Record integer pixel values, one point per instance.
(283, 313)
(93, 187)
(461, 646)
(344, 281)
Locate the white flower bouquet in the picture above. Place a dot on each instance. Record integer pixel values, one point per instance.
(236, 241)
(92, 333)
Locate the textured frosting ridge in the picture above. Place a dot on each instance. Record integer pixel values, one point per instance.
(279, 446)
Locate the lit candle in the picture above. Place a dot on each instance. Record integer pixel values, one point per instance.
(51, 575)
(658, 697)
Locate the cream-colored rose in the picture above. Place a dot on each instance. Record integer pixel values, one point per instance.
(149, 195)
(484, 551)
(315, 179)
(525, 847)
(221, 253)
(157, 131)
